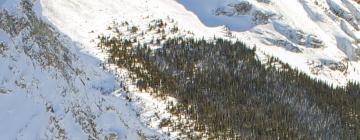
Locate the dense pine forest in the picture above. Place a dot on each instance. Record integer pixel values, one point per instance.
(231, 94)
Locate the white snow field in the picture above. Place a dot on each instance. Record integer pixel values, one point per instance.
(53, 87)
(51, 90)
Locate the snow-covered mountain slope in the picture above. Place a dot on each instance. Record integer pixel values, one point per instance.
(320, 38)
(53, 87)
(50, 90)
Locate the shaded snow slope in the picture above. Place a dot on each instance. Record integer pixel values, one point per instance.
(50, 90)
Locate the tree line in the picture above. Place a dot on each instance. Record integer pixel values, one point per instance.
(232, 95)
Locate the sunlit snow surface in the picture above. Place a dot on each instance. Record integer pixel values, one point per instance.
(77, 18)
(289, 16)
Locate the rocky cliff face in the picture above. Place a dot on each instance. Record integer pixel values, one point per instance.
(345, 13)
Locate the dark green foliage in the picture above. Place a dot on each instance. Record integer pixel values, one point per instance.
(226, 90)
(174, 29)
(2, 48)
(134, 29)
